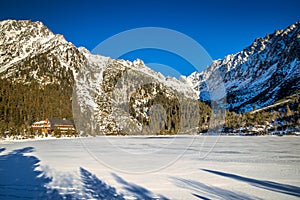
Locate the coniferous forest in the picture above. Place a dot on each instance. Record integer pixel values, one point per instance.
(28, 97)
(23, 104)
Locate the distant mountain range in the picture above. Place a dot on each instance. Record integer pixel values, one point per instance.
(259, 75)
(43, 75)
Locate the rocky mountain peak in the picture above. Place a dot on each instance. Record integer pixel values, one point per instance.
(260, 74)
(30, 50)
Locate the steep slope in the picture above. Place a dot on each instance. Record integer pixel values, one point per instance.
(43, 75)
(261, 74)
(36, 70)
(123, 97)
(29, 50)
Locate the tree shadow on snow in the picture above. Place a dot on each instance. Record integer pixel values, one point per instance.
(2, 149)
(19, 178)
(212, 192)
(268, 185)
(137, 191)
(96, 189)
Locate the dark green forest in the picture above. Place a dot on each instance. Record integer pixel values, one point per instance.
(283, 118)
(22, 104)
(38, 88)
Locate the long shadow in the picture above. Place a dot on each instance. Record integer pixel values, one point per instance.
(200, 197)
(212, 192)
(137, 191)
(94, 188)
(2, 149)
(20, 180)
(268, 185)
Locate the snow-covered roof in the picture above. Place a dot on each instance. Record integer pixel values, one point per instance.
(40, 122)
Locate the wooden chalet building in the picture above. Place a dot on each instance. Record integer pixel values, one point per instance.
(50, 124)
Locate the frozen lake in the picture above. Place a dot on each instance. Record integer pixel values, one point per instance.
(183, 167)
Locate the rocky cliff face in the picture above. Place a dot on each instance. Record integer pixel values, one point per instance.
(43, 75)
(261, 74)
(122, 97)
(30, 50)
(108, 96)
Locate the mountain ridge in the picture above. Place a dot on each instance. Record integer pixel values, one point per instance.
(106, 96)
(49, 62)
(269, 58)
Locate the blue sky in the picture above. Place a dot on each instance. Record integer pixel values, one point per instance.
(221, 26)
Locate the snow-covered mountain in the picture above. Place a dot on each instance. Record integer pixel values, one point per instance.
(117, 96)
(109, 96)
(259, 75)
(29, 50)
(122, 97)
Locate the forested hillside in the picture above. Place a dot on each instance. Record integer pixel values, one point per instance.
(22, 104)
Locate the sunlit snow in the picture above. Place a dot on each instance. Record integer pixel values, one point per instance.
(151, 167)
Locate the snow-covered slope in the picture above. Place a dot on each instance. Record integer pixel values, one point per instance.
(19, 39)
(115, 96)
(103, 88)
(29, 50)
(259, 75)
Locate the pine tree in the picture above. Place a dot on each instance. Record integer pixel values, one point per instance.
(254, 107)
(57, 132)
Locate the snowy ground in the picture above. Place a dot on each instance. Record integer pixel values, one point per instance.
(184, 167)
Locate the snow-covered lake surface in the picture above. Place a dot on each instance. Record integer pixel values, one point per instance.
(183, 167)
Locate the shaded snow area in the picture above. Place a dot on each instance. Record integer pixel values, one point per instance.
(151, 167)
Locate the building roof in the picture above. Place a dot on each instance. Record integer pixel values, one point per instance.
(40, 122)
